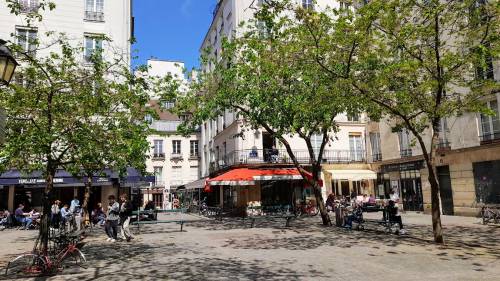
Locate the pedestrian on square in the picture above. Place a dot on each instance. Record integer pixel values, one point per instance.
(394, 217)
(74, 202)
(78, 216)
(55, 214)
(125, 214)
(353, 196)
(329, 202)
(395, 198)
(112, 219)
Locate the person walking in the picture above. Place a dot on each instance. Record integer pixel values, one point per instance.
(55, 214)
(394, 197)
(125, 213)
(73, 205)
(112, 219)
(353, 196)
(329, 202)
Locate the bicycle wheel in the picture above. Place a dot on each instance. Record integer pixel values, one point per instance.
(73, 259)
(25, 265)
(315, 211)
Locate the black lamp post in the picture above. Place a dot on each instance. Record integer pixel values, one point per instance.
(7, 63)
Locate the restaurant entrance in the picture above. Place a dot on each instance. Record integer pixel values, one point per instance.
(411, 188)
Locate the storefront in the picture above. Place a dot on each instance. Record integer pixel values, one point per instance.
(405, 179)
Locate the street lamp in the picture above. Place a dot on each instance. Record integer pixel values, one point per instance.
(7, 63)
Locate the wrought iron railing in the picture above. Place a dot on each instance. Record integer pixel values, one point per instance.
(266, 156)
(158, 156)
(443, 144)
(377, 157)
(175, 155)
(194, 155)
(95, 16)
(25, 9)
(489, 138)
(405, 153)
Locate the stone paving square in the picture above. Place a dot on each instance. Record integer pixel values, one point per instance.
(231, 250)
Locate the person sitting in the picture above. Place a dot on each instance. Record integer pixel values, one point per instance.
(392, 211)
(371, 200)
(22, 217)
(5, 219)
(99, 215)
(34, 215)
(274, 155)
(365, 199)
(357, 213)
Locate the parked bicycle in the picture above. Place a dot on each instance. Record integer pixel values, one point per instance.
(302, 208)
(487, 215)
(37, 263)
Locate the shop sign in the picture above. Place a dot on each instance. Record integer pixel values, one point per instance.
(407, 166)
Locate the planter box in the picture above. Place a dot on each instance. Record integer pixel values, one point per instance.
(427, 211)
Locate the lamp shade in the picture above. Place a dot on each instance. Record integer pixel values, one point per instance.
(7, 64)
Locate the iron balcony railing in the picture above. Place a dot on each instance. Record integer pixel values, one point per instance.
(94, 16)
(263, 156)
(405, 153)
(490, 138)
(158, 156)
(377, 157)
(193, 155)
(26, 9)
(175, 155)
(443, 144)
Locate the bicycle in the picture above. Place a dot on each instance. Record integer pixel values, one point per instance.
(311, 209)
(38, 263)
(486, 215)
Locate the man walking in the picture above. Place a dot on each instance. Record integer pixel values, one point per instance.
(112, 219)
(125, 213)
(394, 197)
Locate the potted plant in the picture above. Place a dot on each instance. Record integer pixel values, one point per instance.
(428, 209)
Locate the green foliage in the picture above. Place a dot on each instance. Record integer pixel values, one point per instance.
(34, 14)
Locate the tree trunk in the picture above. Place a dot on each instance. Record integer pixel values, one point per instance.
(436, 214)
(319, 200)
(86, 197)
(48, 200)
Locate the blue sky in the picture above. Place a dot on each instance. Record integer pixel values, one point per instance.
(171, 29)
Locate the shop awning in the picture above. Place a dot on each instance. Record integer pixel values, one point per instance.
(246, 176)
(352, 175)
(195, 184)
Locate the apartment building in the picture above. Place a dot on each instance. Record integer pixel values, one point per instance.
(344, 162)
(174, 160)
(80, 20)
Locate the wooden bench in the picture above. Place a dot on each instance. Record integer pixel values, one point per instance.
(287, 217)
(155, 213)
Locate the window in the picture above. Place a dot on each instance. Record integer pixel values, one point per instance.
(262, 29)
(307, 4)
(94, 10)
(316, 140)
(26, 38)
(404, 143)
(484, 70)
(176, 147)
(158, 150)
(159, 176)
(193, 174)
(93, 49)
(444, 133)
(345, 7)
(363, 2)
(176, 176)
(167, 104)
(376, 147)
(355, 146)
(354, 118)
(28, 6)
(490, 124)
(193, 148)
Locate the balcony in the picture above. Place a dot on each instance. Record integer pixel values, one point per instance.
(175, 183)
(159, 183)
(405, 153)
(377, 157)
(94, 16)
(443, 145)
(194, 155)
(264, 156)
(175, 155)
(26, 9)
(486, 139)
(158, 156)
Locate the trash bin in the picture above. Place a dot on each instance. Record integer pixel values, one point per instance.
(338, 216)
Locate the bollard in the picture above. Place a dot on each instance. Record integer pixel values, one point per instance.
(338, 217)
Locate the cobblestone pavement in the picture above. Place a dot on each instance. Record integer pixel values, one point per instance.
(230, 250)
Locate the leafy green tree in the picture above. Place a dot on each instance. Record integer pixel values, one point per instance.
(16, 7)
(427, 60)
(269, 77)
(79, 113)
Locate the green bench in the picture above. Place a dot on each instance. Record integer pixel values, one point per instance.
(287, 217)
(155, 213)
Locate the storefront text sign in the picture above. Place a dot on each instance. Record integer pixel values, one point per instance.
(407, 166)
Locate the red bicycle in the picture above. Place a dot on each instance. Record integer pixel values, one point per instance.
(309, 208)
(39, 263)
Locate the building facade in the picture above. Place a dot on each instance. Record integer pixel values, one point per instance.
(344, 164)
(80, 20)
(174, 160)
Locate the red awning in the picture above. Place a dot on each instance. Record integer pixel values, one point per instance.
(246, 176)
